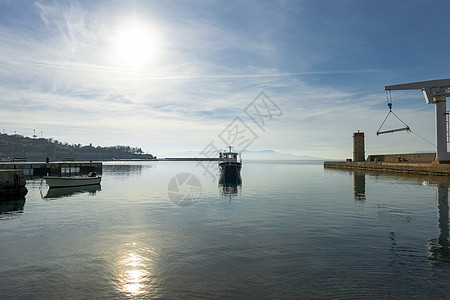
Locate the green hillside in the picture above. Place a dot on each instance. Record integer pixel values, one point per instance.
(40, 149)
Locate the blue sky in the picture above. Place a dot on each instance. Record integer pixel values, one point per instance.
(171, 76)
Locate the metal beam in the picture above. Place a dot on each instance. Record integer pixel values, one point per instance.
(439, 83)
(393, 130)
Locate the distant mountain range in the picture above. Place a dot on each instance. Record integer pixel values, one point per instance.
(271, 154)
(247, 154)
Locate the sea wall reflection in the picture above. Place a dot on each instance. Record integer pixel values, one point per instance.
(11, 206)
(124, 169)
(438, 249)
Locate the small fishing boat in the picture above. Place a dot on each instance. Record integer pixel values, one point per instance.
(230, 163)
(66, 181)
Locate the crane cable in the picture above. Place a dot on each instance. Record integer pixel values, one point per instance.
(389, 103)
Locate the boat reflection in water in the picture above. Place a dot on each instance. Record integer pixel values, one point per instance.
(230, 185)
(62, 192)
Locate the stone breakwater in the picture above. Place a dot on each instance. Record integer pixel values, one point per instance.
(408, 157)
(404, 167)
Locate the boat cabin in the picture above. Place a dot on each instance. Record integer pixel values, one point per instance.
(229, 156)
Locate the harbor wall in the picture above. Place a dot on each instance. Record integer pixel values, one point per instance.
(55, 168)
(189, 159)
(12, 182)
(403, 167)
(408, 157)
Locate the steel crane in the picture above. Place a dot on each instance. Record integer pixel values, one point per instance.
(435, 92)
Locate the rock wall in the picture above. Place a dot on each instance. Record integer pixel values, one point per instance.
(409, 157)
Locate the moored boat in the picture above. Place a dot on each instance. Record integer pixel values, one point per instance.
(67, 181)
(230, 163)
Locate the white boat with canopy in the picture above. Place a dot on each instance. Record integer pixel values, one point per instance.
(67, 181)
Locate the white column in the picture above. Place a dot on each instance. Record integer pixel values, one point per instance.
(441, 129)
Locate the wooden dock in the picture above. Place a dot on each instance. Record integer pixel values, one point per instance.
(31, 169)
(403, 167)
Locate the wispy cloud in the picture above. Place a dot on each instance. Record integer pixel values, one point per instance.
(60, 73)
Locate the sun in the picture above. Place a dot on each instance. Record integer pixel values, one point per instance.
(136, 44)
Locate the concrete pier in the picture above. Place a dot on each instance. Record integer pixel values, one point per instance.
(54, 168)
(404, 167)
(12, 183)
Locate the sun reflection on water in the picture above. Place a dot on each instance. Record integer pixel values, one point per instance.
(134, 270)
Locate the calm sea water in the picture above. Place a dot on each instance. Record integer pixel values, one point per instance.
(288, 230)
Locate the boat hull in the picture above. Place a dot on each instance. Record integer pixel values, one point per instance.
(230, 168)
(55, 181)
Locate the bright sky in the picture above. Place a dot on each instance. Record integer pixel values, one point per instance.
(172, 76)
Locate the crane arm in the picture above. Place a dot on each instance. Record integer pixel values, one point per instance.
(431, 88)
(436, 92)
(440, 83)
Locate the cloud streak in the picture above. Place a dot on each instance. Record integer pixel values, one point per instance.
(60, 74)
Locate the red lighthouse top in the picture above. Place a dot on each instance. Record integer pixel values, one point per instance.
(358, 133)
